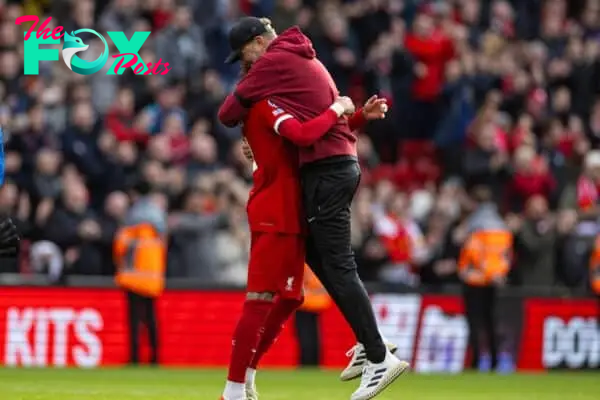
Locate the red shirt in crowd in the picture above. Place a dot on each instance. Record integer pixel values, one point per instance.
(434, 52)
(587, 193)
(523, 186)
(120, 123)
(290, 75)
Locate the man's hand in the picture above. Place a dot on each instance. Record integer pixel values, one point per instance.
(346, 104)
(9, 238)
(375, 108)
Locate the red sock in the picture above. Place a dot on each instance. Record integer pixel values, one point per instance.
(280, 312)
(246, 337)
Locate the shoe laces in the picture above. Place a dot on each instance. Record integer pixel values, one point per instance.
(357, 348)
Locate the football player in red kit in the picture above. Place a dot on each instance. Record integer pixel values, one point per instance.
(276, 219)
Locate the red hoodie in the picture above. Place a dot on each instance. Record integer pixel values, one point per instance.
(290, 74)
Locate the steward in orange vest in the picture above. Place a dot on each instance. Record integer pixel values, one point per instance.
(140, 254)
(484, 262)
(486, 257)
(316, 300)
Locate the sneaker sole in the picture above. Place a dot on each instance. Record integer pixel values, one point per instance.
(402, 368)
(356, 372)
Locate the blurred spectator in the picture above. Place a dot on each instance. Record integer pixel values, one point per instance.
(486, 162)
(535, 241)
(531, 178)
(74, 227)
(194, 238)
(432, 49)
(115, 210)
(181, 44)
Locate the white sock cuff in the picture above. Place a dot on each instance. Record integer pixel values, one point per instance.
(250, 374)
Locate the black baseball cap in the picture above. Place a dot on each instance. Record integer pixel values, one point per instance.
(246, 29)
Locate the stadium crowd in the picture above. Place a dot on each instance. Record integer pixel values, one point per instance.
(495, 92)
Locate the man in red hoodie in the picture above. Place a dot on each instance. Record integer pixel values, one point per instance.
(285, 69)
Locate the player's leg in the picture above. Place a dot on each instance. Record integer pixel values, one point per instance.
(288, 264)
(328, 209)
(259, 300)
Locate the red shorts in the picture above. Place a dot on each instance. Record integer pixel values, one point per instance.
(276, 264)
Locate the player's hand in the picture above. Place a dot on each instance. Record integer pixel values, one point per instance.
(9, 238)
(347, 104)
(375, 108)
(247, 150)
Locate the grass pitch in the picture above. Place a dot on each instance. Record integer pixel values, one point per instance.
(175, 384)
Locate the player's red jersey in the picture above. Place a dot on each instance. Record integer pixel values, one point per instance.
(275, 203)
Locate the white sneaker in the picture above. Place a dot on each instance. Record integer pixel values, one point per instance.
(251, 393)
(358, 360)
(377, 377)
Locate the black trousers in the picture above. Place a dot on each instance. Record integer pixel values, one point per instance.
(307, 331)
(328, 189)
(142, 311)
(480, 306)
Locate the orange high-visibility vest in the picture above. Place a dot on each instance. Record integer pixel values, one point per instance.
(316, 298)
(485, 256)
(140, 254)
(595, 267)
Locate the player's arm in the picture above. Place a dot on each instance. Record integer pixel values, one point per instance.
(357, 120)
(305, 134)
(254, 85)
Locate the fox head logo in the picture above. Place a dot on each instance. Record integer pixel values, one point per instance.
(73, 45)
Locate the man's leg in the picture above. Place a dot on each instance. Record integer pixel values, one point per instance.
(328, 197)
(328, 211)
(472, 306)
(152, 326)
(307, 331)
(489, 323)
(134, 327)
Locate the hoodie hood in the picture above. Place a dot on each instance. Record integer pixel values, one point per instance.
(294, 41)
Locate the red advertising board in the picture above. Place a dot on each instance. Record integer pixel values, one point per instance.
(560, 333)
(88, 328)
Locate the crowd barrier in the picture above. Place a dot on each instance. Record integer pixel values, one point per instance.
(86, 327)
